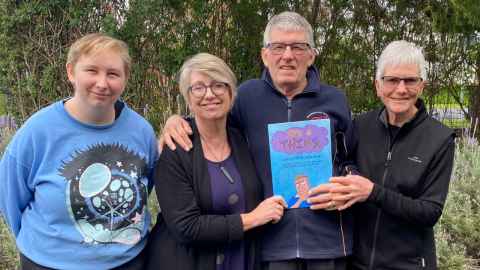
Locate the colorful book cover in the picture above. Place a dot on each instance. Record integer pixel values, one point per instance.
(300, 157)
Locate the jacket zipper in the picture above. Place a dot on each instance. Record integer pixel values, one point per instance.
(297, 236)
(379, 212)
(289, 110)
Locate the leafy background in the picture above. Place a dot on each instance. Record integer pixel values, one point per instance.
(35, 36)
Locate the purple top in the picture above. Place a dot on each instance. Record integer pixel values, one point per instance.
(227, 198)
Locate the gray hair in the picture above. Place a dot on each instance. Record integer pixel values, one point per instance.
(401, 52)
(288, 21)
(210, 65)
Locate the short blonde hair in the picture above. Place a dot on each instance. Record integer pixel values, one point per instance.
(210, 65)
(97, 42)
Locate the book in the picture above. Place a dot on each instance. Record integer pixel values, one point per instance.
(300, 158)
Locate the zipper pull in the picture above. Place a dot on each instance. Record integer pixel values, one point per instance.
(289, 110)
(423, 263)
(389, 157)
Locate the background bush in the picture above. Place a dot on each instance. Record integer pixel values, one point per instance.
(35, 36)
(349, 35)
(457, 233)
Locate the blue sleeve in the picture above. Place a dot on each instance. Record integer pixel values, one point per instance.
(15, 193)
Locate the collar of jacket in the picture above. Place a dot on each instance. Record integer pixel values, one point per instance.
(416, 120)
(313, 81)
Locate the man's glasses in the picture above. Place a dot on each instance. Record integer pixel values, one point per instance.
(217, 88)
(409, 82)
(298, 48)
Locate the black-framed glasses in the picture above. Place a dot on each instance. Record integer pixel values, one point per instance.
(409, 82)
(218, 88)
(298, 48)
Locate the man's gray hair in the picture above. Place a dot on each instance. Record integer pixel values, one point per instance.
(401, 52)
(288, 21)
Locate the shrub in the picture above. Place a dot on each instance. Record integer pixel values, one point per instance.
(457, 233)
(8, 252)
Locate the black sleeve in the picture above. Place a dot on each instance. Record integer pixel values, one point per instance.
(180, 209)
(427, 208)
(346, 143)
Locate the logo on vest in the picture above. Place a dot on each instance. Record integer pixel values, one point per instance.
(415, 159)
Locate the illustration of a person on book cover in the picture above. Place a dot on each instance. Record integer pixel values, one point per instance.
(300, 199)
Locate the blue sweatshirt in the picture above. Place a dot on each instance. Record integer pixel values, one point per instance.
(301, 233)
(74, 195)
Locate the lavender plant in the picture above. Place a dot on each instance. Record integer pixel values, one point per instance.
(458, 234)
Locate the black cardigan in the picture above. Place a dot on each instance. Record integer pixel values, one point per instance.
(186, 236)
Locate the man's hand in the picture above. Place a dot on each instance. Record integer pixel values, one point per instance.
(321, 198)
(175, 129)
(349, 190)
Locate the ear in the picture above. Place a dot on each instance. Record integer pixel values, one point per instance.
(70, 73)
(378, 88)
(420, 88)
(264, 54)
(312, 57)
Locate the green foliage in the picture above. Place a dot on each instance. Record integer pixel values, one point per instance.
(8, 252)
(35, 36)
(457, 234)
(3, 104)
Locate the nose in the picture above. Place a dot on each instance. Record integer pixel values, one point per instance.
(102, 81)
(209, 93)
(401, 87)
(288, 52)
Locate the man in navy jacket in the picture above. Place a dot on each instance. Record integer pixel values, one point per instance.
(290, 90)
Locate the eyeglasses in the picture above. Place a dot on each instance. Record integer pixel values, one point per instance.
(409, 82)
(298, 48)
(217, 88)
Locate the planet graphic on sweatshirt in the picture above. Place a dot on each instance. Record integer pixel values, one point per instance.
(107, 194)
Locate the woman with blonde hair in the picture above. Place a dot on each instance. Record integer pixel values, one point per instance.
(210, 196)
(75, 175)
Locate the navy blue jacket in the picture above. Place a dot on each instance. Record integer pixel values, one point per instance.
(301, 233)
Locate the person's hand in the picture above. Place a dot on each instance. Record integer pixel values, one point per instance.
(321, 198)
(270, 209)
(349, 190)
(175, 129)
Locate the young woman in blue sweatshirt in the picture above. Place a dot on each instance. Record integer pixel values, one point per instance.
(74, 179)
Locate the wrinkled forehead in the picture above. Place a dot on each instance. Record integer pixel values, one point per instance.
(401, 68)
(287, 35)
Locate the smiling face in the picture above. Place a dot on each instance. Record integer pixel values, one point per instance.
(210, 107)
(288, 70)
(98, 81)
(302, 186)
(400, 100)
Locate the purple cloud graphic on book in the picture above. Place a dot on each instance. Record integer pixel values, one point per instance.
(296, 140)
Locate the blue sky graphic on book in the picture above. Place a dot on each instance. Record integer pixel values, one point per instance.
(300, 158)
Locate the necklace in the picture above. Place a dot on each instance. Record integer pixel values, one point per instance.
(219, 160)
